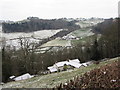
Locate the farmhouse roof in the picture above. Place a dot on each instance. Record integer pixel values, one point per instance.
(52, 69)
(11, 77)
(85, 64)
(24, 76)
(75, 60)
(60, 64)
(75, 63)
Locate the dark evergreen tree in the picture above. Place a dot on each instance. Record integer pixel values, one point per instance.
(95, 52)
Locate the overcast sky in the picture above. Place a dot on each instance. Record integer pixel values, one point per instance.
(21, 9)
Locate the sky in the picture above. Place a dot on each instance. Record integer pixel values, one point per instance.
(15, 10)
(119, 9)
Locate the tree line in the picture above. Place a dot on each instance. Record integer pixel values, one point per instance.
(35, 24)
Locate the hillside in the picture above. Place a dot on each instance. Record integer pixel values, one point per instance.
(100, 27)
(32, 24)
(105, 77)
(80, 34)
(54, 79)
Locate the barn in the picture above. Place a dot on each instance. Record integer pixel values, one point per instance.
(22, 77)
(69, 64)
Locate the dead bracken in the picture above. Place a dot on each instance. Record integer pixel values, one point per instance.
(105, 77)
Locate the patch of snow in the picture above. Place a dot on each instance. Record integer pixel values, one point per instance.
(83, 48)
(45, 48)
(12, 39)
(65, 84)
(69, 37)
(45, 33)
(38, 34)
(11, 77)
(113, 80)
(88, 22)
(104, 72)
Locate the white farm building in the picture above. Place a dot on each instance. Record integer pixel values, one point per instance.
(22, 77)
(75, 63)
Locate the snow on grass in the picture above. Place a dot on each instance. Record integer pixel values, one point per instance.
(15, 43)
(82, 32)
(12, 39)
(45, 33)
(37, 34)
(85, 32)
(85, 28)
(88, 23)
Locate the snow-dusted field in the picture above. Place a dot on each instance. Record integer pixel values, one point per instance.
(88, 23)
(12, 39)
(37, 34)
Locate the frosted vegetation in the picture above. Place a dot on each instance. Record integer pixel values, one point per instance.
(37, 34)
(12, 39)
(89, 22)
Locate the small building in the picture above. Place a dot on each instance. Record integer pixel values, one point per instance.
(22, 77)
(52, 69)
(69, 37)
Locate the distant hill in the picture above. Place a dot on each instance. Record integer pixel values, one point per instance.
(99, 28)
(34, 24)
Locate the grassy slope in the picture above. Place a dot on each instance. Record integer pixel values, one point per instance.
(84, 33)
(57, 42)
(51, 80)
